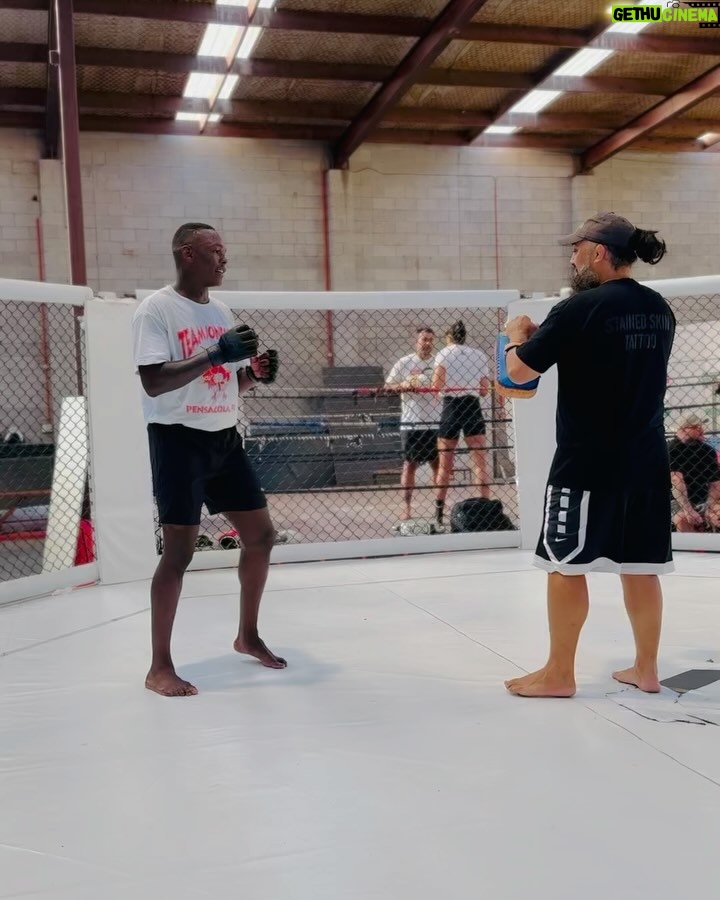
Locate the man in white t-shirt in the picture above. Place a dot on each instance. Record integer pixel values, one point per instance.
(420, 412)
(193, 361)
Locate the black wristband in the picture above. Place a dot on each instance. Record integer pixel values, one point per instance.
(215, 355)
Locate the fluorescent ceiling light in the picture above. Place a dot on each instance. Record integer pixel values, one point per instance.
(191, 117)
(535, 101)
(501, 129)
(252, 33)
(214, 117)
(266, 4)
(229, 85)
(232, 2)
(709, 137)
(202, 85)
(583, 61)
(219, 40)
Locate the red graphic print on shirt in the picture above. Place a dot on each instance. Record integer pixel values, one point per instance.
(216, 377)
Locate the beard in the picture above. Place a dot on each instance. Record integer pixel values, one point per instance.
(583, 280)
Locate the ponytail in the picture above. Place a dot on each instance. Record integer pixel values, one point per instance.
(642, 245)
(647, 247)
(458, 332)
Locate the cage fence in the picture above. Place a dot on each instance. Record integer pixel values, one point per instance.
(44, 485)
(692, 414)
(331, 439)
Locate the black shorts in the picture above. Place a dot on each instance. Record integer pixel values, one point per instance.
(627, 532)
(420, 446)
(461, 415)
(191, 467)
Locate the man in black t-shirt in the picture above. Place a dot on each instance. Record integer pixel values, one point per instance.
(607, 506)
(695, 475)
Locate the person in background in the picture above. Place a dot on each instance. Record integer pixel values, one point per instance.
(695, 475)
(419, 412)
(466, 370)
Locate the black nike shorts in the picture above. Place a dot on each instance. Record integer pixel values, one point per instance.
(191, 467)
(626, 532)
(461, 415)
(420, 445)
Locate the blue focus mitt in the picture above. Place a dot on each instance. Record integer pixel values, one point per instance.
(503, 385)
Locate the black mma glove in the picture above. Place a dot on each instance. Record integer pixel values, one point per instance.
(272, 364)
(238, 343)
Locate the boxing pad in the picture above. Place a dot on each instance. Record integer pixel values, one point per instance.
(503, 384)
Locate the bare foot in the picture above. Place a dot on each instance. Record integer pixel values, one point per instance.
(542, 684)
(257, 648)
(647, 682)
(167, 683)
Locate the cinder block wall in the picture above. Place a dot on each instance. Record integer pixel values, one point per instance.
(19, 204)
(400, 217)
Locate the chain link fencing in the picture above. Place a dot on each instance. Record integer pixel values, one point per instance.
(353, 443)
(692, 414)
(45, 520)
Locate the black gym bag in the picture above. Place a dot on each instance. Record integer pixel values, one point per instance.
(479, 514)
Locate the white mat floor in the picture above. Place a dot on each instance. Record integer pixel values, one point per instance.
(386, 763)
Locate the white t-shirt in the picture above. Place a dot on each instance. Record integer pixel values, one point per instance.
(464, 367)
(167, 327)
(418, 411)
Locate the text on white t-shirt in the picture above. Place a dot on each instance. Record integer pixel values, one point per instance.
(167, 327)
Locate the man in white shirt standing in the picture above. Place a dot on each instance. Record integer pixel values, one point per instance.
(193, 361)
(420, 412)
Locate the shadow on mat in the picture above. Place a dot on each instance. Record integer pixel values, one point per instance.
(235, 670)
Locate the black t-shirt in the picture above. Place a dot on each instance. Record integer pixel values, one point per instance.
(611, 345)
(698, 464)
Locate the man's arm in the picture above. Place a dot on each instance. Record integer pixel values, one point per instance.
(714, 492)
(395, 383)
(679, 490)
(517, 370)
(162, 378)
(538, 347)
(245, 383)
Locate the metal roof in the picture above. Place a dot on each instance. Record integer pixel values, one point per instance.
(349, 71)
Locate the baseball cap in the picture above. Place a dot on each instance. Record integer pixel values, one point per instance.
(602, 228)
(692, 421)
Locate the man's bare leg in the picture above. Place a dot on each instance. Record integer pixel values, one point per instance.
(407, 480)
(178, 549)
(644, 605)
(257, 537)
(567, 611)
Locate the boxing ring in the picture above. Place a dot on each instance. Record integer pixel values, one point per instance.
(386, 761)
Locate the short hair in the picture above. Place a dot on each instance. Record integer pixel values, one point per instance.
(424, 328)
(185, 233)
